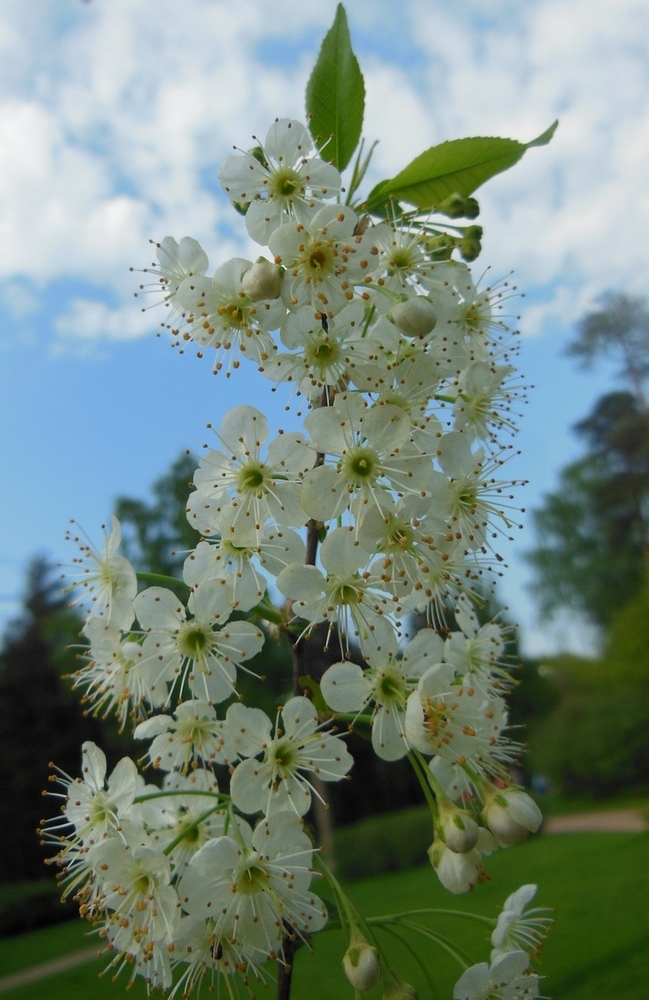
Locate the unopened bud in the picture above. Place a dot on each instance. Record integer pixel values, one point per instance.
(453, 206)
(362, 965)
(415, 317)
(470, 245)
(399, 989)
(262, 281)
(441, 247)
(459, 830)
(511, 814)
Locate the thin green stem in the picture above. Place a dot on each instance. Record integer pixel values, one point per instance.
(182, 793)
(188, 829)
(460, 956)
(267, 612)
(420, 767)
(161, 578)
(406, 944)
(433, 911)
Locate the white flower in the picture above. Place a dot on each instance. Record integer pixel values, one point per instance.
(204, 955)
(508, 978)
(371, 445)
(196, 734)
(322, 352)
(281, 780)
(520, 928)
(449, 719)
(196, 651)
(244, 490)
(344, 597)
(176, 261)
(118, 678)
(323, 261)
(402, 541)
(253, 887)
(108, 580)
(96, 806)
(141, 907)
(466, 497)
(477, 651)
(290, 182)
(224, 317)
(187, 819)
(484, 400)
(346, 687)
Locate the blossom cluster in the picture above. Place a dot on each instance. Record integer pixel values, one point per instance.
(397, 481)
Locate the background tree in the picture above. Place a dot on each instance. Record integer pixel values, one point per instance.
(157, 535)
(41, 719)
(593, 549)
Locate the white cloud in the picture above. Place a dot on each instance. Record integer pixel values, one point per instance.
(107, 135)
(87, 321)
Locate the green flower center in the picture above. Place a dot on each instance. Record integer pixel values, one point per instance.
(401, 259)
(284, 757)
(361, 466)
(318, 261)
(284, 182)
(252, 880)
(233, 551)
(390, 688)
(251, 478)
(193, 643)
(401, 536)
(234, 314)
(346, 593)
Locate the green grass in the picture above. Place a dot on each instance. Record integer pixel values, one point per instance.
(599, 948)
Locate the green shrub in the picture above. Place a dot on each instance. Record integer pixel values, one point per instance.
(26, 906)
(384, 843)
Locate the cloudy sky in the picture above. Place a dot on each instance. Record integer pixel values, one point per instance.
(114, 118)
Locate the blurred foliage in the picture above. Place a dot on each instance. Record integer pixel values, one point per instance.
(592, 557)
(41, 718)
(594, 742)
(592, 530)
(156, 536)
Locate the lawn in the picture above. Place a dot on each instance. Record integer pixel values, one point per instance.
(598, 882)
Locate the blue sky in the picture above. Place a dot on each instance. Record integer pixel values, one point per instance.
(114, 118)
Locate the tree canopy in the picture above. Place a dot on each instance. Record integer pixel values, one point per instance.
(593, 547)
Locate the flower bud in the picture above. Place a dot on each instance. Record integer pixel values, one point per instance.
(511, 814)
(415, 317)
(459, 830)
(399, 989)
(361, 964)
(262, 281)
(457, 872)
(453, 206)
(470, 245)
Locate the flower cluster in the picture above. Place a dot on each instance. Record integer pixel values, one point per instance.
(389, 503)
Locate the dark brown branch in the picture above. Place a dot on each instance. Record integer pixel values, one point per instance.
(285, 967)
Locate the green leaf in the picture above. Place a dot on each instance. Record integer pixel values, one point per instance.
(456, 167)
(335, 95)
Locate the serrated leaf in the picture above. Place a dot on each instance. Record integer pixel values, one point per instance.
(459, 166)
(335, 95)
